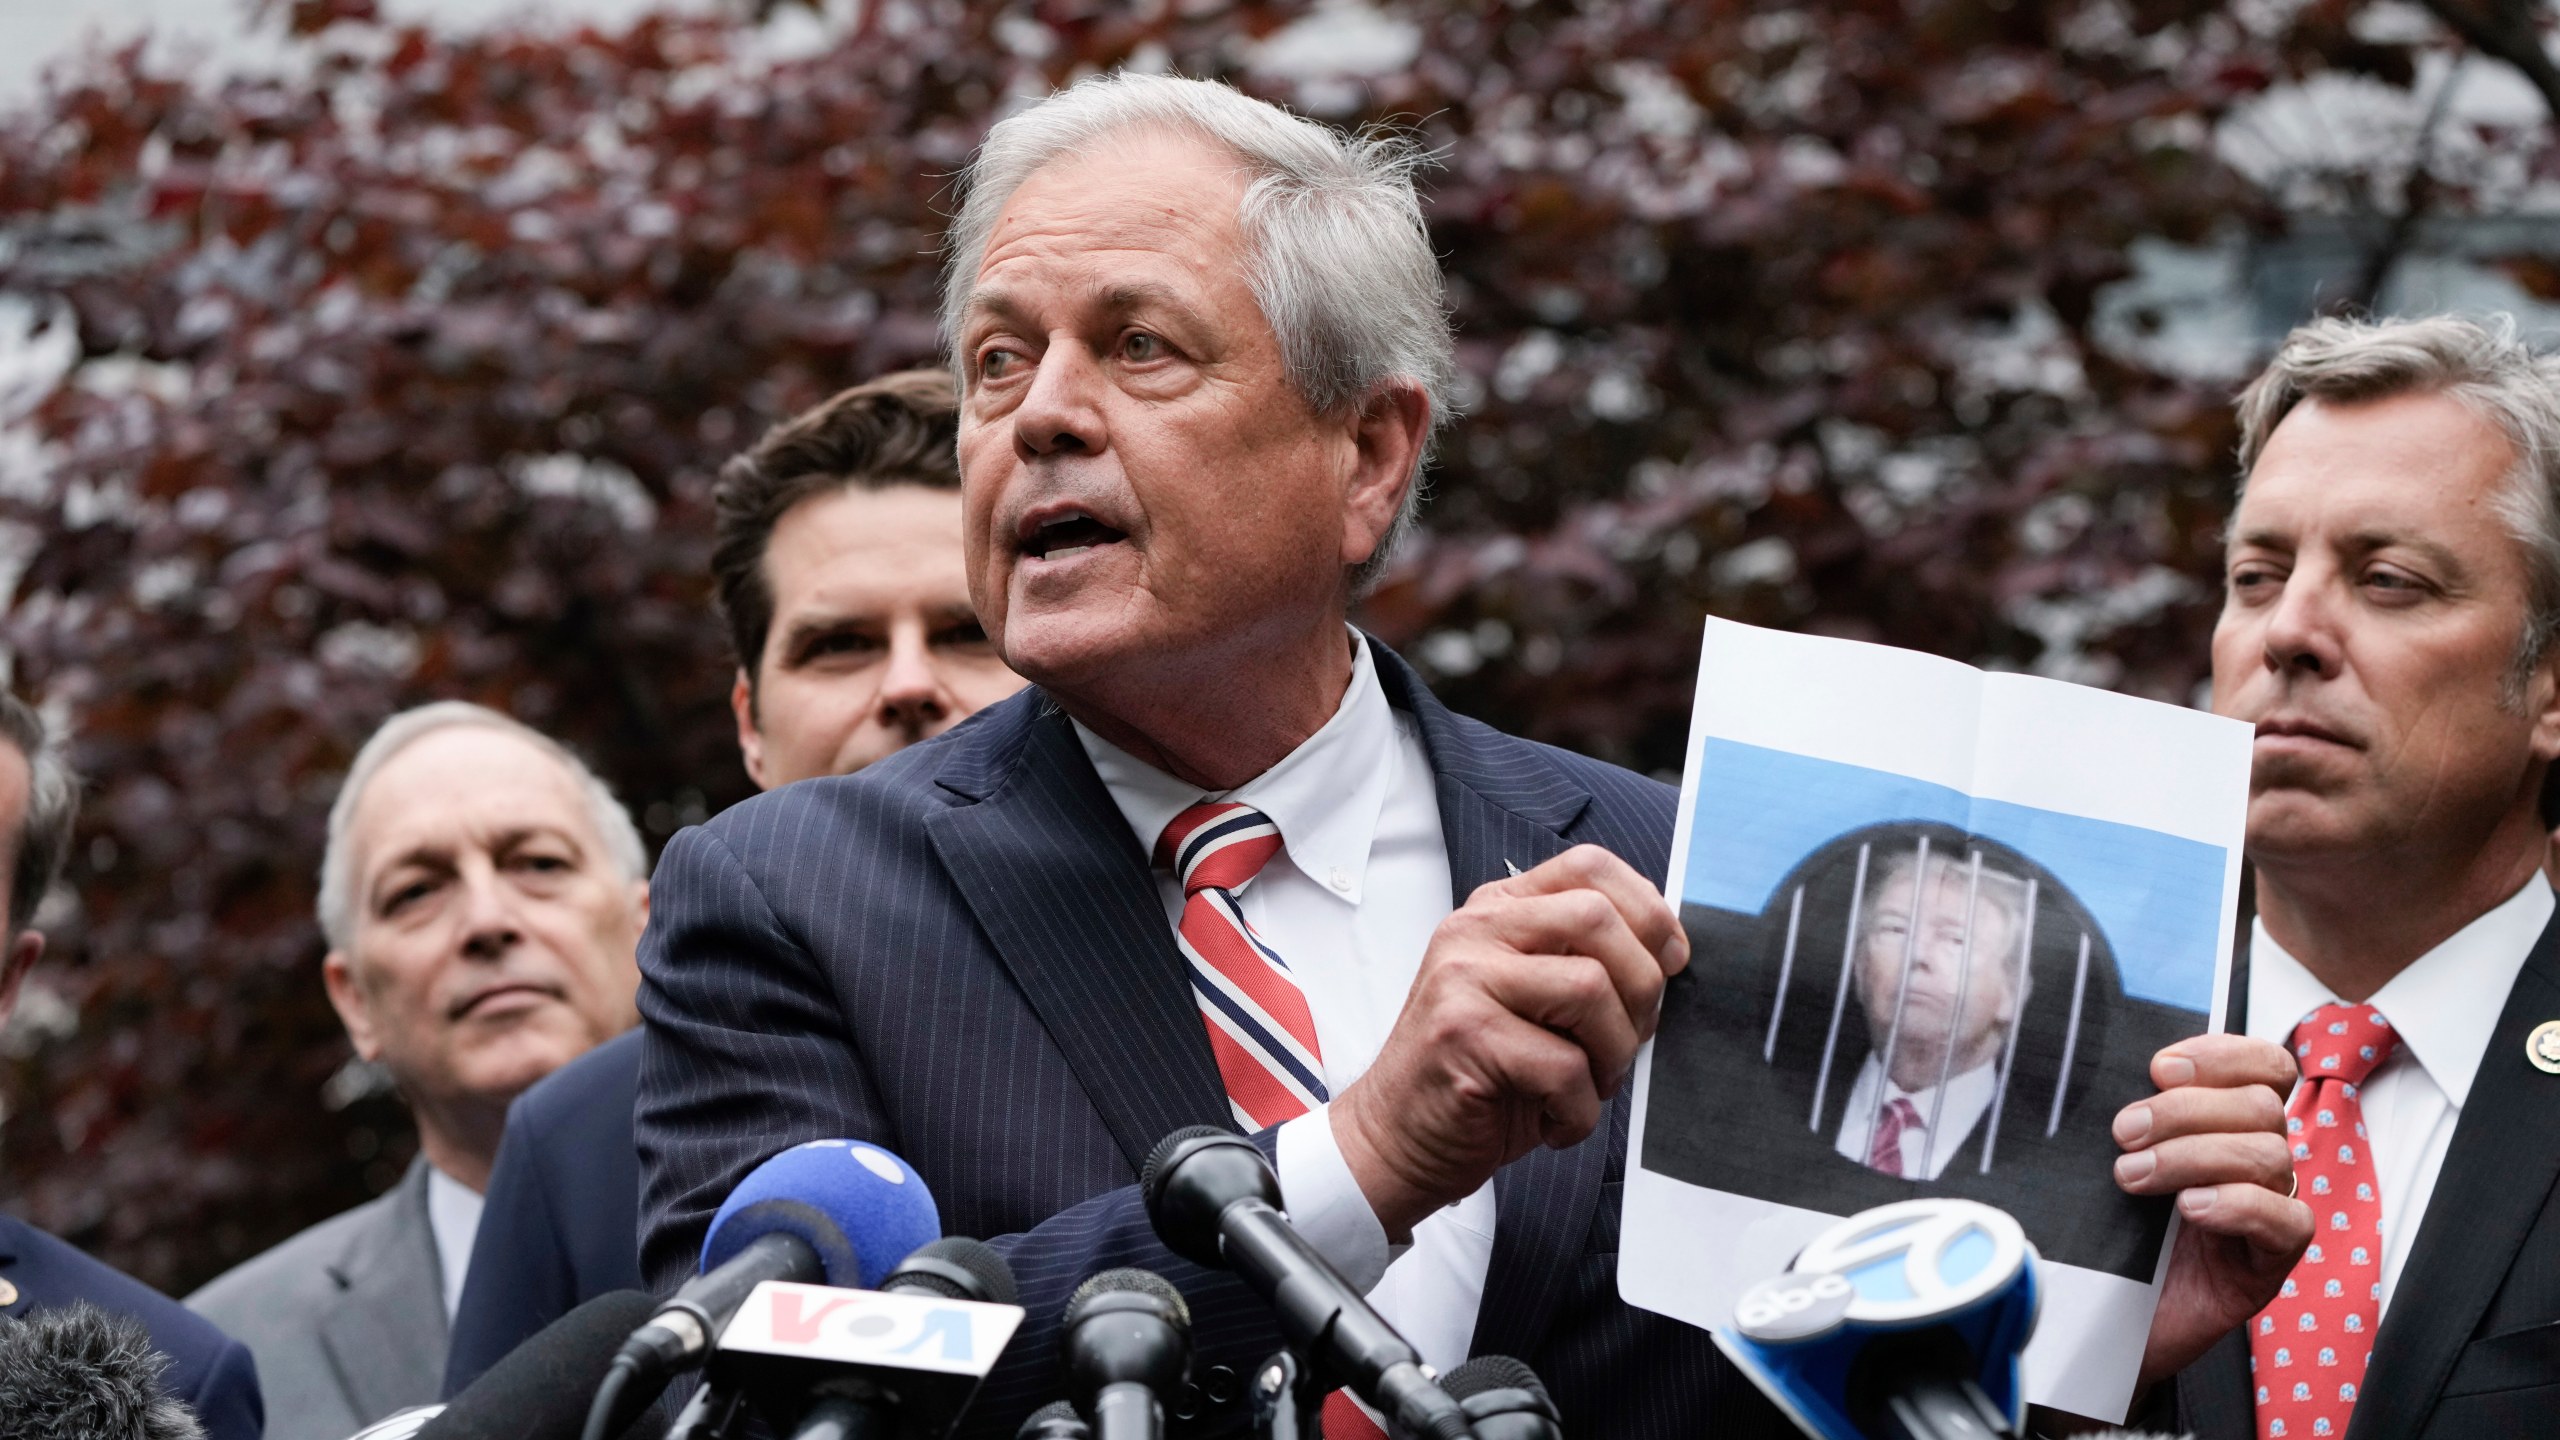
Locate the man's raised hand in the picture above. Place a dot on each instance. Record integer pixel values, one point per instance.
(1519, 1030)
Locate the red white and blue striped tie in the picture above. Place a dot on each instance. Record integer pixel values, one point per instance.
(1259, 1025)
(1260, 1029)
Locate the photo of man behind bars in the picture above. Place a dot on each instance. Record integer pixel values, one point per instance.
(1911, 1009)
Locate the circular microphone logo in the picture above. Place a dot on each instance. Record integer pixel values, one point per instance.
(1919, 1259)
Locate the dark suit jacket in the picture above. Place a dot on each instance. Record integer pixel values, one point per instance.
(960, 953)
(2470, 1348)
(562, 1222)
(209, 1370)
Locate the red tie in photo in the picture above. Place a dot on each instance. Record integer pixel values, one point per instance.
(2307, 1350)
(1884, 1152)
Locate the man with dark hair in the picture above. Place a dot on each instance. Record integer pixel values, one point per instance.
(212, 1373)
(837, 566)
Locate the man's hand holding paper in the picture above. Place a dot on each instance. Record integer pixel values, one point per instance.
(1522, 1025)
(2214, 1137)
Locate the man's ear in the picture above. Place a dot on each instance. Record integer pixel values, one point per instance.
(742, 703)
(15, 962)
(1387, 438)
(355, 1012)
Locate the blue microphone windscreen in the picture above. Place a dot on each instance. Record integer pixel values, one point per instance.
(862, 1208)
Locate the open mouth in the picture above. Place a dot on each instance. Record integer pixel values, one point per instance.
(1070, 534)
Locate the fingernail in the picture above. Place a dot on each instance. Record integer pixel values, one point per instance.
(2174, 1070)
(2135, 1168)
(2133, 1124)
(2195, 1204)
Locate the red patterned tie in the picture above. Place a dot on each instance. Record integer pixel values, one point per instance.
(1259, 1026)
(1884, 1153)
(2307, 1350)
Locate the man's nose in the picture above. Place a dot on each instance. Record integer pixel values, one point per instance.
(2302, 635)
(1061, 414)
(490, 925)
(912, 698)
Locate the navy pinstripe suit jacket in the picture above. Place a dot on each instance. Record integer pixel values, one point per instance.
(959, 953)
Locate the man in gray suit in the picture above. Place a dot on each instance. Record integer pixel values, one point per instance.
(482, 894)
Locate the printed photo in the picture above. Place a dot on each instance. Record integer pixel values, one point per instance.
(1898, 990)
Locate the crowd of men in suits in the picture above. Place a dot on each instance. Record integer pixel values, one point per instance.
(1226, 860)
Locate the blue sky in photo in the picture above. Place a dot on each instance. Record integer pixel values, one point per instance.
(2158, 897)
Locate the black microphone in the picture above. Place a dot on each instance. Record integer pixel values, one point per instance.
(1056, 1420)
(539, 1390)
(1503, 1398)
(82, 1374)
(956, 1267)
(1215, 1202)
(1125, 1343)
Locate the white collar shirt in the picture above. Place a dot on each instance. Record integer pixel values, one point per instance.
(1350, 903)
(2445, 1006)
(453, 1218)
(1968, 1096)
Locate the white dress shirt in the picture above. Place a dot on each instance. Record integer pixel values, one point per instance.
(453, 1217)
(2444, 1005)
(1968, 1097)
(1350, 903)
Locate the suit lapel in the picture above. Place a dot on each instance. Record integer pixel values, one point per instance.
(385, 1332)
(2497, 1177)
(1046, 862)
(1503, 804)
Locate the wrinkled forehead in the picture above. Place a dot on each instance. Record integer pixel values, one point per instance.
(1136, 210)
(465, 787)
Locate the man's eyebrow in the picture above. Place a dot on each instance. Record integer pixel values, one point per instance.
(804, 627)
(2365, 542)
(1120, 299)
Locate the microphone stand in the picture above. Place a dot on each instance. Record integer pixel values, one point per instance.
(1288, 1400)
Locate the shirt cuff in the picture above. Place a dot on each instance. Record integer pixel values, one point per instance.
(1325, 1203)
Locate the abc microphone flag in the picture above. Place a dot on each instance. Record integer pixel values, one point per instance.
(1907, 1320)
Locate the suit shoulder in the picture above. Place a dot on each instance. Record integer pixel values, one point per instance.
(50, 1272)
(1615, 785)
(590, 1092)
(260, 1293)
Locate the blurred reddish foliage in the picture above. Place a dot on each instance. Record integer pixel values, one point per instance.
(405, 376)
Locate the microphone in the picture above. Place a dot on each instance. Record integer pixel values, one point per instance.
(539, 1390)
(1126, 1340)
(831, 1210)
(84, 1374)
(1214, 1201)
(1904, 1322)
(1056, 1420)
(828, 1363)
(1503, 1398)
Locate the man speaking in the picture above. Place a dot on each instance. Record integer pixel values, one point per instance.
(1206, 869)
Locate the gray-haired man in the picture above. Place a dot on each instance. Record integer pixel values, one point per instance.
(2393, 587)
(482, 895)
(1227, 862)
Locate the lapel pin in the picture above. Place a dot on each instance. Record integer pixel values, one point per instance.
(2542, 1047)
(8, 1293)
(1512, 869)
